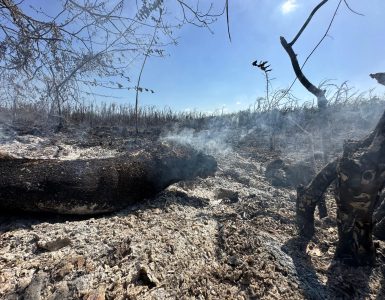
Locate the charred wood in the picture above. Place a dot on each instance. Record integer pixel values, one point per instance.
(360, 174)
(308, 197)
(320, 94)
(92, 186)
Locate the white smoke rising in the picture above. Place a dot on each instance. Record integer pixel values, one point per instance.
(211, 141)
(296, 135)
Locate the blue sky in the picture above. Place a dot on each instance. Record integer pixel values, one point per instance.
(206, 72)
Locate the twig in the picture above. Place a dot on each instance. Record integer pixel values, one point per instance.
(352, 10)
(141, 71)
(227, 19)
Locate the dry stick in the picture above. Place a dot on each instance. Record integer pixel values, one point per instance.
(228, 19)
(269, 107)
(267, 88)
(318, 44)
(301, 77)
(307, 22)
(326, 33)
(352, 10)
(141, 71)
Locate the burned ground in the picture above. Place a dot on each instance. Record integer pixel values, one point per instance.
(228, 236)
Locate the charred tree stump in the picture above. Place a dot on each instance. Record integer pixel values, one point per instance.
(360, 175)
(91, 186)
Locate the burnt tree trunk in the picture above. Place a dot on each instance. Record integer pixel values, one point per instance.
(91, 186)
(360, 175)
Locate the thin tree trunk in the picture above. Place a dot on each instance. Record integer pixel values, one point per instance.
(141, 71)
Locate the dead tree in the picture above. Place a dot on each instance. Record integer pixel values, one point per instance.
(319, 93)
(360, 174)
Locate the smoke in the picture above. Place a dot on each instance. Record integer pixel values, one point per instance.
(297, 135)
(211, 141)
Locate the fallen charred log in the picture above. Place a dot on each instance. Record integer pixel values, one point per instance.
(360, 174)
(96, 185)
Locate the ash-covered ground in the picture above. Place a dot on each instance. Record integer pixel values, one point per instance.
(230, 236)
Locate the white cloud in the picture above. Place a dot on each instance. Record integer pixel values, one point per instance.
(289, 6)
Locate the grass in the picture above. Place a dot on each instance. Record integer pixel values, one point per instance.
(347, 111)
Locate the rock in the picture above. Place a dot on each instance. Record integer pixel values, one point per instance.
(62, 292)
(84, 285)
(233, 260)
(55, 244)
(275, 173)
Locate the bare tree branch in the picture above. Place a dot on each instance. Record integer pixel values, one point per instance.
(320, 94)
(316, 46)
(307, 21)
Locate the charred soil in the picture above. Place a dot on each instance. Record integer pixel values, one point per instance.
(228, 236)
